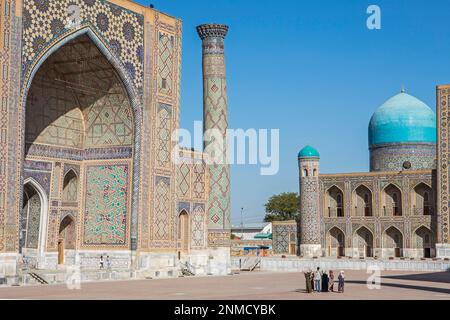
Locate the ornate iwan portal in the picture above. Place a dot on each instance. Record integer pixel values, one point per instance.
(89, 100)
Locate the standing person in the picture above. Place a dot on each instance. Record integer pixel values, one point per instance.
(331, 286)
(102, 264)
(317, 277)
(341, 280)
(324, 282)
(108, 263)
(308, 275)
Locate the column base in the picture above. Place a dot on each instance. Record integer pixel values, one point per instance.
(310, 250)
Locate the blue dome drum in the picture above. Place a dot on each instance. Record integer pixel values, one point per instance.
(402, 135)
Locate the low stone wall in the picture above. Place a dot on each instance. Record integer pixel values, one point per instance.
(294, 264)
(86, 276)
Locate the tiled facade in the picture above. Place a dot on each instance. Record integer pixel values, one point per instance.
(369, 216)
(369, 229)
(286, 236)
(443, 200)
(216, 118)
(90, 97)
(397, 210)
(394, 157)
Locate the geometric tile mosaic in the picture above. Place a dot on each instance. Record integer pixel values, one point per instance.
(122, 29)
(106, 205)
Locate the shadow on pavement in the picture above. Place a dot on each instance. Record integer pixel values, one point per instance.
(304, 291)
(441, 277)
(405, 286)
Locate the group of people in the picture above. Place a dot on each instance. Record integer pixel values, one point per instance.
(319, 281)
(102, 262)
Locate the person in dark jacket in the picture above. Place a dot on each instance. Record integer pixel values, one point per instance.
(309, 280)
(324, 282)
(102, 263)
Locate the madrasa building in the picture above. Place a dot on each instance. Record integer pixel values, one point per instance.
(90, 96)
(399, 209)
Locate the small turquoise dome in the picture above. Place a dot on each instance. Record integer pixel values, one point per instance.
(402, 119)
(308, 152)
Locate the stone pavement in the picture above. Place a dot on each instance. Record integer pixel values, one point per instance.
(245, 286)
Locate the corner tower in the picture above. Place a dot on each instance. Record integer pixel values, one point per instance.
(308, 164)
(215, 112)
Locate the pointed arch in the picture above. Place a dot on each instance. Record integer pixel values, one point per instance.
(335, 186)
(423, 241)
(133, 96)
(422, 226)
(336, 227)
(393, 227)
(67, 237)
(364, 228)
(67, 231)
(70, 186)
(104, 49)
(392, 184)
(69, 214)
(183, 230)
(362, 201)
(305, 172)
(422, 183)
(362, 184)
(422, 200)
(393, 242)
(43, 213)
(363, 241)
(335, 242)
(392, 200)
(334, 202)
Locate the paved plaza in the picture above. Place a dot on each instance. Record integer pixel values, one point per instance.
(246, 286)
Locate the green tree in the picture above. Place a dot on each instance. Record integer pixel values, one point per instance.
(282, 207)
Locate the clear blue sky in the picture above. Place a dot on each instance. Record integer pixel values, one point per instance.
(313, 70)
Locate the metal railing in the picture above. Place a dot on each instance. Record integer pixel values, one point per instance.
(336, 212)
(365, 211)
(395, 211)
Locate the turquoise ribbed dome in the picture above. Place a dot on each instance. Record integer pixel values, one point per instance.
(308, 152)
(402, 119)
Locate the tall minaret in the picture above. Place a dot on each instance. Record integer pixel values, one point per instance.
(215, 109)
(308, 163)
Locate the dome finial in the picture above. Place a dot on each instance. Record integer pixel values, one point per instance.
(403, 89)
